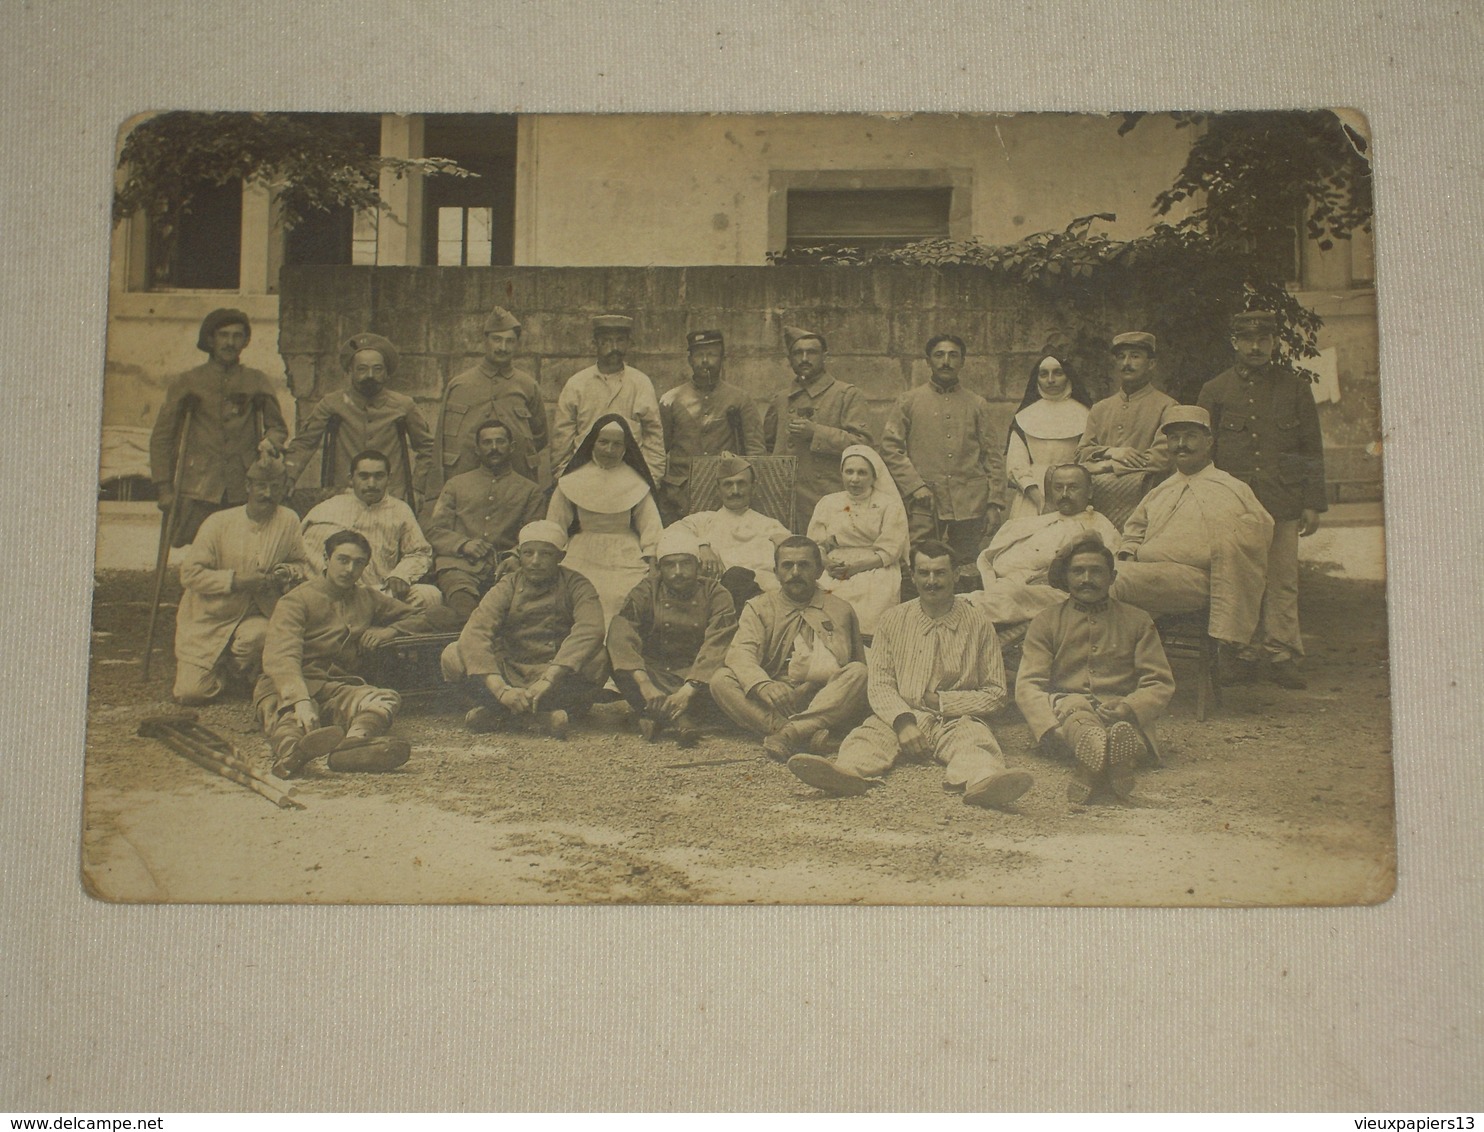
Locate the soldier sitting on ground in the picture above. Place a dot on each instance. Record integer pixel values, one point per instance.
(935, 678)
(796, 669)
(1093, 674)
(534, 646)
(309, 699)
(669, 639)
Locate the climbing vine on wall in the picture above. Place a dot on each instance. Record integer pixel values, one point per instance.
(1252, 175)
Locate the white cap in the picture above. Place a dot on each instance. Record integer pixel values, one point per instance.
(543, 530)
(677, 540)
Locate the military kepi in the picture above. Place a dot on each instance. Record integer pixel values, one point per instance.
(1186, 414)
(500, 320)
(612, 322)
(382, 346)
(1139, 338)
(1259, 322)
(222, 316)
(702, 338)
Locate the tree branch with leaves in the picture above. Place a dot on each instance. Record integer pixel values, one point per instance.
(312, 162)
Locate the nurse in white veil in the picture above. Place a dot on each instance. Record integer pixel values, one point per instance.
(862, 532)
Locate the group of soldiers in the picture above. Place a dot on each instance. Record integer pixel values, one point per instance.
(445, 529)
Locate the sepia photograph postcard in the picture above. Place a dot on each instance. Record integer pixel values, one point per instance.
(912, 509)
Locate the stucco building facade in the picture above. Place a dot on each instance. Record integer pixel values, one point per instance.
(668, 191)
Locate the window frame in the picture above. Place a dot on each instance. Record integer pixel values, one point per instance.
(781, 181)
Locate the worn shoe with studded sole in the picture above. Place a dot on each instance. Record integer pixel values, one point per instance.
(1092, 750)
(1124, 749)
(1124, 745)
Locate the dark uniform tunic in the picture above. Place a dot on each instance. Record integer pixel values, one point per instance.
(703, 423)
(223, 439)
(838, 411)
(1267, 435)
(366, 424)
(479, 505)
(672, 639)
(1266, 427)
(478, 395)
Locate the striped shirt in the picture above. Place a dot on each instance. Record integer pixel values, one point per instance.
(398, 548)
(956, 655)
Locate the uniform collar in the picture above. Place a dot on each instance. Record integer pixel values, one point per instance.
(529, 586)
(943, 386)
(1148, 387)
(1095, 607)
(353, 395)
(814, 388)
(489, 371)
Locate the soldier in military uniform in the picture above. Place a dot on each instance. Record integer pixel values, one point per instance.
(367, 415)
(477, 518)
(1267, 435)
(534, 647)
(1123, 445)
(229, 404)
(943, 451)
(669, 639)
(704, 416)
(495, 389)
(814, 419)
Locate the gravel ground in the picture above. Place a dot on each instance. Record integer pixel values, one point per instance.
(1278, 797)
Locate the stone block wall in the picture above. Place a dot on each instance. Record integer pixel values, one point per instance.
(876, 321)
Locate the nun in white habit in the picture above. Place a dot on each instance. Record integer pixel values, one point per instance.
(1044, 432)
(606, 503)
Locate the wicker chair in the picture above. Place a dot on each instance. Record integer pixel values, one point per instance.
(1184, 637)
